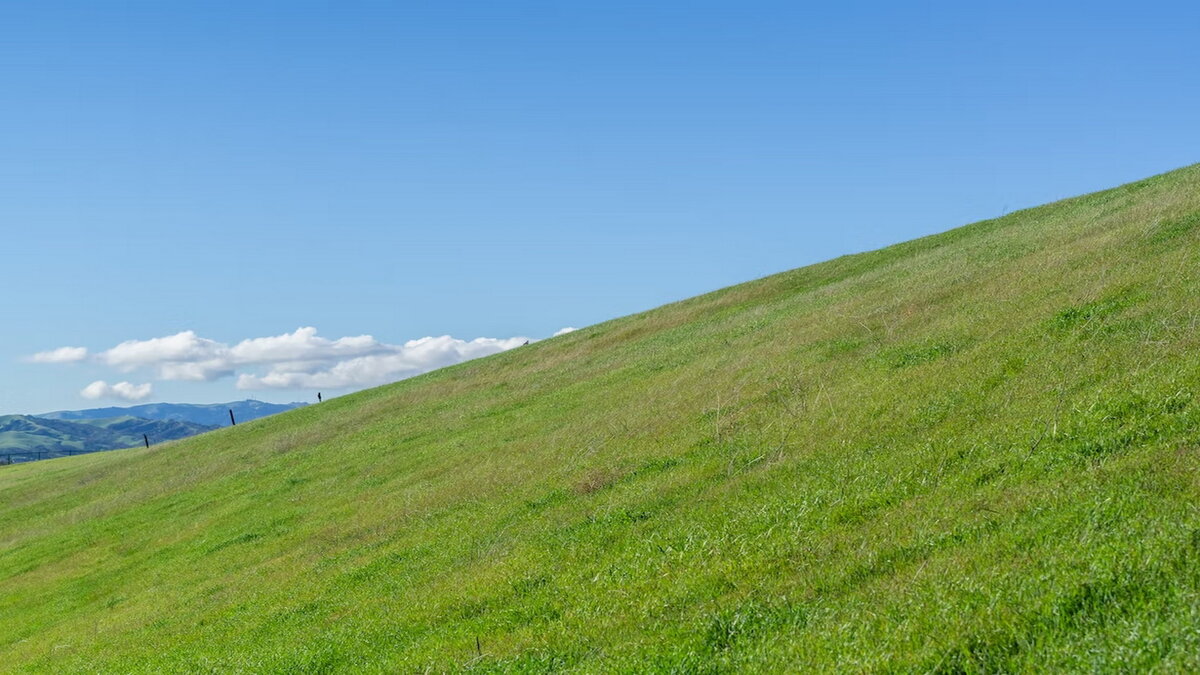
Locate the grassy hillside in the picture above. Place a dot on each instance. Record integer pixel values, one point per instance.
(972, 452)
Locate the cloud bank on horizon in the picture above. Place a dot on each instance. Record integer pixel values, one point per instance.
(297, 360)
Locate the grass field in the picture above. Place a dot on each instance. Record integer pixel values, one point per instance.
(972, 452)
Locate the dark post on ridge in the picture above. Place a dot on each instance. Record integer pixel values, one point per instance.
(232, 421)
(147, 439)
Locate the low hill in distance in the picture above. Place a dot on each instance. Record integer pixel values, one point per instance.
(973, 452)
(25, 438)
(213, 414)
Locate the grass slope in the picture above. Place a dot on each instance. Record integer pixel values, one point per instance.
(972, 452)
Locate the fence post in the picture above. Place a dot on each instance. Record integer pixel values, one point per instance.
(147, 439)
(232, 422)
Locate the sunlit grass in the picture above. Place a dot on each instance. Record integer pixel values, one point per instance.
(973, 452)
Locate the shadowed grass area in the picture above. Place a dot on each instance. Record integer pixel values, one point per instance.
(972, 452)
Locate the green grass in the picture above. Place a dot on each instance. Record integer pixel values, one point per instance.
(972, 452)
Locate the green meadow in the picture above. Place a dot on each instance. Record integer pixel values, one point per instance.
(972, 452)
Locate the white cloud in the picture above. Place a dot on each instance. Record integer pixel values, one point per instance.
(564, 331)
(296, 360)
(189, 357)
(125, 391)
(185, 347)
(398, 362)
(60, 355)
(304, 345)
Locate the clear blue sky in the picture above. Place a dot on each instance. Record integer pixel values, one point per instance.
(499, 169)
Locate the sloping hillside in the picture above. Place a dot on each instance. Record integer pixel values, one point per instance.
(972, 452)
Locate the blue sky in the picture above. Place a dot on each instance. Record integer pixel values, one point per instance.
(501, 170)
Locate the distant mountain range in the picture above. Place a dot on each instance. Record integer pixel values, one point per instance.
(25, 438)
(68, 432)
(212, 414)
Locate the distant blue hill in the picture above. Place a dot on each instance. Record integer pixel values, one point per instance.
(212, 415)
(25, 438)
